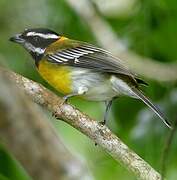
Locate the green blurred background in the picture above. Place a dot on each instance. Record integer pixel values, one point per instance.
(149, 28)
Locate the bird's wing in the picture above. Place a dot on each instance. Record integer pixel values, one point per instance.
(83, 55)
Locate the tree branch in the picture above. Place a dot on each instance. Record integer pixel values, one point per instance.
(30, 137)
(95, 131)
(107, 38)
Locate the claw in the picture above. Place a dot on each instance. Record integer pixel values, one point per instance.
(102, 122)
(54, 114)
(64, 100)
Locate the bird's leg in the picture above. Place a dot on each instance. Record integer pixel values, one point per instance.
(81, 91)
(108, 107)
(66, 97)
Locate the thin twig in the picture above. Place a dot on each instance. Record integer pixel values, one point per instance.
(91, 128)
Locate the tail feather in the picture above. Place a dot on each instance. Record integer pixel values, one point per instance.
(148, 102)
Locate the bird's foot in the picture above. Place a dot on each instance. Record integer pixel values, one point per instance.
(64, 100)
(103, 123)
(55, 114)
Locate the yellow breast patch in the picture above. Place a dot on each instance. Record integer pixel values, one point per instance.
(56, 75)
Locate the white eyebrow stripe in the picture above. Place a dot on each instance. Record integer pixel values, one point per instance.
(45, 36)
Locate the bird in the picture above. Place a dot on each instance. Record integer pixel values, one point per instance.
(77, 68)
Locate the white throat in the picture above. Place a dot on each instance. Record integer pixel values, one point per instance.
(33, 49)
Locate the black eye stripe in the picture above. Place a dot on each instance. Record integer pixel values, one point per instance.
(39, 38)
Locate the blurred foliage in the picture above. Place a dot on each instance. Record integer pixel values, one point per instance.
(9, 168)
(149, 31)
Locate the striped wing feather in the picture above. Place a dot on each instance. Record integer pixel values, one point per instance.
(88, 56)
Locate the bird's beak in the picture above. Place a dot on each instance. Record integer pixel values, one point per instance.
(17, 38)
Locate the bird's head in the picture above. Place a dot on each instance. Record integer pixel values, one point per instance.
(35, 41)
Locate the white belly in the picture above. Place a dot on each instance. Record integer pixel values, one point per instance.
(98, 86)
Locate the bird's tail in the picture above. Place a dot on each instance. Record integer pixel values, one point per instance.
(148, 102)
